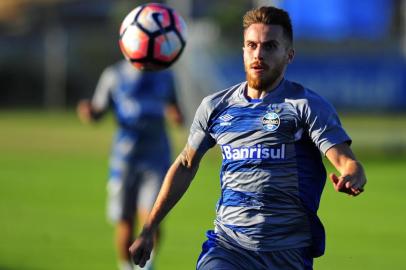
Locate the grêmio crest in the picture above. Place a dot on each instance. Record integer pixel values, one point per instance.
(271, 120)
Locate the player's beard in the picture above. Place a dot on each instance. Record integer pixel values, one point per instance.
(263, 82)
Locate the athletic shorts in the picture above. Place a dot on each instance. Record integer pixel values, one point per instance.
(138, 191)
(224, 256)
(133, 183)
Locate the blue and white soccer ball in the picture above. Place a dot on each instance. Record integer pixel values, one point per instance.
(152, 36)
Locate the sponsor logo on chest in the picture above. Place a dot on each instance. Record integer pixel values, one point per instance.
(253, 152)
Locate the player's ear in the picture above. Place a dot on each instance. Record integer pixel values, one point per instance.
(243, 50)
(290, 55)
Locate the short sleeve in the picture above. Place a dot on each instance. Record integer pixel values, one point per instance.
(323, 124)
(105, 86)
(199, 137)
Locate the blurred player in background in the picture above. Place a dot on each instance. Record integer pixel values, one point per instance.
(271, 132)
(141, 152)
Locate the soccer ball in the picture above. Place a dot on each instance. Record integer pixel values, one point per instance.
(152, 36)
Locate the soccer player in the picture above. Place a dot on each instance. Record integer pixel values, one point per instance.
(271, 132)
(141, 153)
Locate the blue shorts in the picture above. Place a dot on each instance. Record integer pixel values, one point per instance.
(133, 183)
(223, 256)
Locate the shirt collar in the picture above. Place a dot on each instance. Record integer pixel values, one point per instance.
(271, 94)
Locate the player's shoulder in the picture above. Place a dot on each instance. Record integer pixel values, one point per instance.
(301, 95)
(118, 69)
(120, 66)
(224, 96)
(296, 90)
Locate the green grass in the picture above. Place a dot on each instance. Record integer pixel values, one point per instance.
(52, 198)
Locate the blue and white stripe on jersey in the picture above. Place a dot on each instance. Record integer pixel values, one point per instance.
(133, 94)
(272, 175)
(138, 100)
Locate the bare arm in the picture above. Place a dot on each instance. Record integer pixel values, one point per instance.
(87, 113)
(175, 114)
(352, 178)
(90, 111)
(177, 180)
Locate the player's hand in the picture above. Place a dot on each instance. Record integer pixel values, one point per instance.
(350, 184)
(83, 110)
(141, 249)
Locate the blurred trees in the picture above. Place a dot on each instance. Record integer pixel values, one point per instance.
(53, 51)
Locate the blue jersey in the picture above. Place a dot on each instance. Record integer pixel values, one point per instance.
(272, 174)
(138, 100)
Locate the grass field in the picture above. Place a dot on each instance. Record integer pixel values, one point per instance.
(52, 198)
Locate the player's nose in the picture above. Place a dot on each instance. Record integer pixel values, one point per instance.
(258, 53)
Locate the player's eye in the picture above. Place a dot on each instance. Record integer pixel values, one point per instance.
(251, 45)
(270, 46)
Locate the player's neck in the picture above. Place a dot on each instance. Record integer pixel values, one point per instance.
(254, 93)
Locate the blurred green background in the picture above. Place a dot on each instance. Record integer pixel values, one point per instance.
(53, 169)
(52, 198)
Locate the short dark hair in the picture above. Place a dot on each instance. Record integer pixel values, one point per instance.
(269, 15)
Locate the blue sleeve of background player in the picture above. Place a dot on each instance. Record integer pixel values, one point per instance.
(105, 86)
